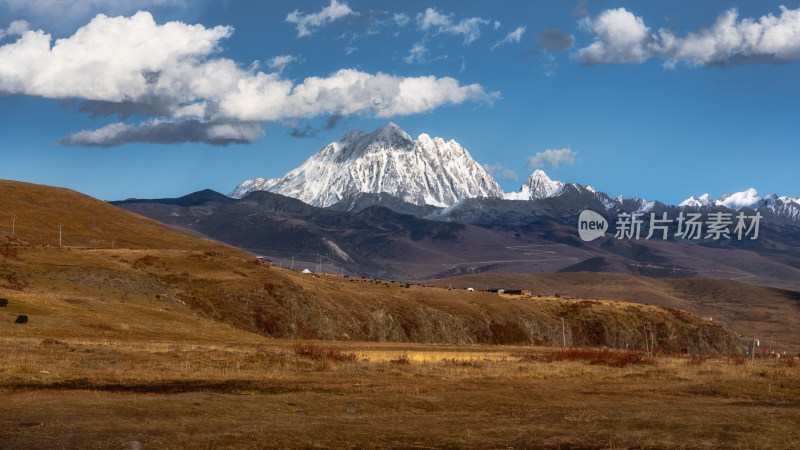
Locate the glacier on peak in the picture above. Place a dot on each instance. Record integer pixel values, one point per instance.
(536, 187)
(703, 200)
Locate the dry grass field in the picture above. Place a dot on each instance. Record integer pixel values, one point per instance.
(260, 393)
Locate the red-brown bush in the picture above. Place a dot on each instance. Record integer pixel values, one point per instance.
(616, 358)
(327, 354)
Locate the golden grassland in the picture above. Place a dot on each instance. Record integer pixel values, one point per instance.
(94, 393)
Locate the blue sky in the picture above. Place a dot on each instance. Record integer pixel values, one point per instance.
(160, 98)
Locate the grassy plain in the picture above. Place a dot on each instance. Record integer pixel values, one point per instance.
(255, 393)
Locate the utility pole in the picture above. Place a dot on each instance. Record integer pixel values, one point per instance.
(563, 334)
(60, 226)
(13, 223)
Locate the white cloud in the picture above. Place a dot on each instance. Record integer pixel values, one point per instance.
(401, 19)
(308, 23)
(108, 59)
(622, 37)
(131, 66)
(416, 54)
(514, 36)
(552, 158)
(432, 19)
(17, 28)
(500, 171)
(347, 92)
(279, 63)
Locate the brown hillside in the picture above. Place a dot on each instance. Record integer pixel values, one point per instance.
(87, 222)
(764, 312)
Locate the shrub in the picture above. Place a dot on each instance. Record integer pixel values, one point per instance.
(696, 360)
(603, 356)
(401, 361)
(737, 360)
(325, 354)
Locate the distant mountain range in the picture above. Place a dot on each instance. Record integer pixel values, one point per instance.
(439, 180)
(384, 205)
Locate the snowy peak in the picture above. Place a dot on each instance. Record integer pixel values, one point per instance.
(734, 201)
(536, 187)
(703, 200)
(782, 208)
(422, 172)
(391, 134)
(738, 200)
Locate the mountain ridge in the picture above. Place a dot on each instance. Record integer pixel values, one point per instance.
(425, 171)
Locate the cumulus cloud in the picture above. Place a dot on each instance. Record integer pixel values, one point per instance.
(308, 23)
(433, 20)
(622, 37)
(553, 39)
(16, 28)
(279, 63)
(513, 36)
(552, 158)
(499, 171)
(132, 66)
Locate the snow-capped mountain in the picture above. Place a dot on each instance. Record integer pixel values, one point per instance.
(425, 171)
(537, 186)
(703, 200)
(780, 209)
